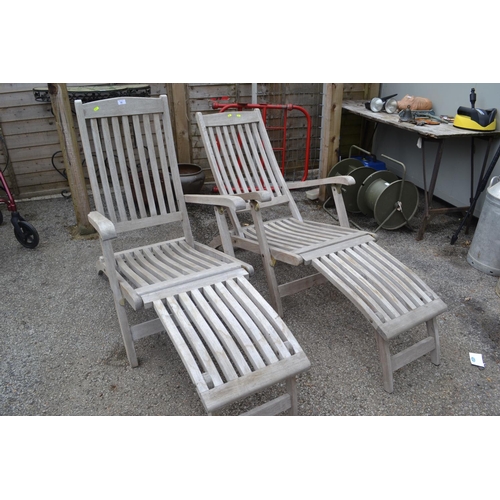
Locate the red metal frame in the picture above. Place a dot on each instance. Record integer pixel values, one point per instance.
(9, 201)
(216, 104)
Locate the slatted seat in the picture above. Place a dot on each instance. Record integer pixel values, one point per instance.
(232, 343)
(389, 295)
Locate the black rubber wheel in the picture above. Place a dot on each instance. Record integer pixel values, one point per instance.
(1, 217)
(27, 235)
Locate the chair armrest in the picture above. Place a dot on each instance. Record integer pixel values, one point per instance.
(218, 200)
(261, 196)
(102, 225)
(345, 180)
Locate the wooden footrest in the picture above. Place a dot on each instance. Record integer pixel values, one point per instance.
(391, 296)
(232, 343)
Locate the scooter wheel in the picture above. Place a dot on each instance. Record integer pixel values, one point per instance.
(27, 235)
(1, 217)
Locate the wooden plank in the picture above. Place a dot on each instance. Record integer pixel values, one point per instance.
(155, 291)
(20, 113)
(8, 88)
(300, 284)
(412, 353)
(147, 328)
(25, 128)
(219, 397)
(55, 188)
(33, 139)
(40, 178)
(413, 318)
(270, 408)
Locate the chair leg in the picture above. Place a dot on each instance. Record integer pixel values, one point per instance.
(432, 330)
(267, 260)
(386, 363)
(272, 283)
(128, 341)
(291, 385)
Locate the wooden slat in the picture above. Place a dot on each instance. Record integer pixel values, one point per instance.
(214, 346)
(382, 280)
(103, 172)
(267, 328)
(203, 357)
(124, 172)
(132, 166)
(182, 348)
(399, 270)
(153, 166)
(170, 289)
(110, 156)
(237, 329)
(220, 329)
(270, 314)
(249, 322)
(146, 179)
(412, 353)
(338, 277)
(273, 407)
(164, 165)
(245, 173)
(363, 282)
(412, 318)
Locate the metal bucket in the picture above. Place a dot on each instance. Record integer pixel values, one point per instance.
(484, 252)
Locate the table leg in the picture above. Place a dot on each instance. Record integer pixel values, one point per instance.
(483, 168)
(429, 193)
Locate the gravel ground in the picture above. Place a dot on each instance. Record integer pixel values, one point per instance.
(61, 350)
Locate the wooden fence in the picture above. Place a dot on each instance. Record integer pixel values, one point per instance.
(30, 151)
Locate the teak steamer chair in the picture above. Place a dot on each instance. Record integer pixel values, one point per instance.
(391, 297)
(231, 341)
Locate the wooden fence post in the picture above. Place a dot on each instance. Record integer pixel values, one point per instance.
(71, 155)
(330, 132)
(180, 120)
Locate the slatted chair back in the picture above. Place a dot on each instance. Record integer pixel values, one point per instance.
(130, 154)
(238, 144)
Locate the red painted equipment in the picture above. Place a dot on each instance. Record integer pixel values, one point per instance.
(217, 104)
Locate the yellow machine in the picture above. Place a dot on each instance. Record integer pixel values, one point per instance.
(475, 119)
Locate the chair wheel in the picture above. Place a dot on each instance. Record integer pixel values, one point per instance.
(27, 235)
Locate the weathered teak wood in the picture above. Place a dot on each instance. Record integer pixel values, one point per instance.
(231, 342)
(390, 296)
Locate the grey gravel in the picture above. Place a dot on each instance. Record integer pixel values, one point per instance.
(61, 351)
